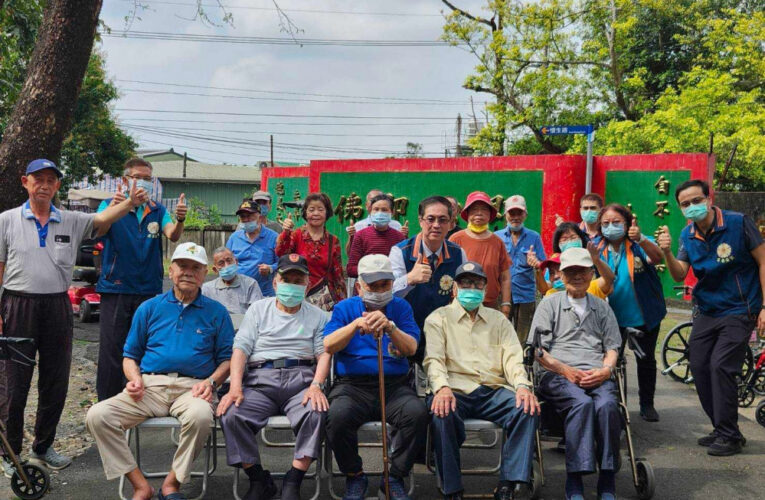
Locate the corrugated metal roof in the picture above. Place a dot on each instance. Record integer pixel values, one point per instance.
(197, 172)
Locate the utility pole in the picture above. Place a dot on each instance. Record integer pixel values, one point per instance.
(185, 157)
(459, 134)
(588, 179)
(272, 150)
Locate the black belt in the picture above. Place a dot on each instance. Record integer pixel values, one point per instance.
(282, 363)
(34, 295)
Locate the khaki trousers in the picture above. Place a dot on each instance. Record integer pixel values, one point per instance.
(163, 395)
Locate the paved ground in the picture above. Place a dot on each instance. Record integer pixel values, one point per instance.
(682, 469)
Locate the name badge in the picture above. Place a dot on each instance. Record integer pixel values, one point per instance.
(62, 238)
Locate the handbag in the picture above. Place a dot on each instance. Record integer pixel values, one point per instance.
(321, 294)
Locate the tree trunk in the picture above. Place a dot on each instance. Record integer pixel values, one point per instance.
(43, 113)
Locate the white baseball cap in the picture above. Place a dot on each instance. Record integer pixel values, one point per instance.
(375, 267)
(191, 251)
(515, 201)
(574, 257)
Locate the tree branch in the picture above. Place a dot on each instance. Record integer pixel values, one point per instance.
(487, 22)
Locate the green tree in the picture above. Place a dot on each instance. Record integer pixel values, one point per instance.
(200, 215)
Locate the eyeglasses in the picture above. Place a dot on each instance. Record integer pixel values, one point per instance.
(471, 284)
(140, 178)
(430, 220)
(607, 223)
(695, 201)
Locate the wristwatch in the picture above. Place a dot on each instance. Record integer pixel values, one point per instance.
(212, 383)
(391, 327)
(318, 384)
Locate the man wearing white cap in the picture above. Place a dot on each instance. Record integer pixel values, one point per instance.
(577, 340)
(519, 241)
(176, 354)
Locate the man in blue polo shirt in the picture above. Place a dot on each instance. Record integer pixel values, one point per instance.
(176, 355)
(254, 246)
(131, 270)
(519, 241)
(351, 337)
(726, 253)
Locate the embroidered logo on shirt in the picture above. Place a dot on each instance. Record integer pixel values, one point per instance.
(639, 267)
(153, 228)
(724, 252)
(445, 284)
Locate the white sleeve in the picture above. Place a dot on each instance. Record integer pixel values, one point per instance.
(400, 285)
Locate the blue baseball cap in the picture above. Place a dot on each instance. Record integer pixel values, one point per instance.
(42, 164)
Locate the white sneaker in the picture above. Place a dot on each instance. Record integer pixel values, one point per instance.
(51, 459)
(8, 468)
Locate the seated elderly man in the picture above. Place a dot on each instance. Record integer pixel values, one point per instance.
(351, 335)
(578, 342)
(233, 290)
(176, 354)
(280, 341)
(475, 367)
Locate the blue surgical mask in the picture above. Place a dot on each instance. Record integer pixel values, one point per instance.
(290, 295)
(589, 216)
(251, 226)
(263, 209)
(147, 186)
(228, 272)
(470, 298)
(570, 244)
(380, 219)
(613, 232)
(559, 285)
(696, 212)
(515, 228)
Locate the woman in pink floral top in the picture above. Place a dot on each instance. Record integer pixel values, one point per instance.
(313, 242)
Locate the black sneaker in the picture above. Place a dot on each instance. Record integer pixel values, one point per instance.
(724, 447)
(649, 413)
(707, 440)
(522, 491)
(263, 489)
(290, 491)
(504, 492)
(454, 496)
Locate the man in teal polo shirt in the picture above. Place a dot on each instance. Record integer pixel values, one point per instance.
(131, 270)
(254, 246)
(726, 253)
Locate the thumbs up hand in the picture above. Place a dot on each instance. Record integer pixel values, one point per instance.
(405, 229)
(420, 273)
(634, 232)
(137, 196)
(181, 209)
(664, 240)
(558, 220)
(288, 224)
(351, 230)
(531, 258)
(119, 196)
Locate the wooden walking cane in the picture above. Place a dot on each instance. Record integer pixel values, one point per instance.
(381, 380)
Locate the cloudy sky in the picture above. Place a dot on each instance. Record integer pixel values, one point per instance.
(319, 101)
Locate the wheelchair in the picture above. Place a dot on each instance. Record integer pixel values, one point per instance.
(552, 425)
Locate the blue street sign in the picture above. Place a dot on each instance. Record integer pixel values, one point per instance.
(566, 129)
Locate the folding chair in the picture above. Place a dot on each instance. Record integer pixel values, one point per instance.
(210, 459)
(281, 423)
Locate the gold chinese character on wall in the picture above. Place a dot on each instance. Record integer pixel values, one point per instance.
(662, 185)
(661, 209)
(498, 203)
(400, 205)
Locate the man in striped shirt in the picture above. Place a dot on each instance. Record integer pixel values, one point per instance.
(377, 238)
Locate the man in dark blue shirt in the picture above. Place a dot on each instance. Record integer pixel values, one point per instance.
(726, 253)
(351, 335)
(177, 353)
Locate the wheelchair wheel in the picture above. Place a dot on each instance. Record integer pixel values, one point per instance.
(745, 393)
(760, 413)
(646, 483)
(536, 481)
(759, 384)
(674, 352)
(38, 479)
(748, 363)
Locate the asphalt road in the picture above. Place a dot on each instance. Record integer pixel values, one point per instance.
(683, 470)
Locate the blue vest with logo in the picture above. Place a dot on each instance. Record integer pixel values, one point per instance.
(131, 262)
(427, 297)
(728, 275)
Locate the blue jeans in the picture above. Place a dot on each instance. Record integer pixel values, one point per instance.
(495, 405)
(592, 421)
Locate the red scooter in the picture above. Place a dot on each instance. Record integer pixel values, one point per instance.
(86, 302)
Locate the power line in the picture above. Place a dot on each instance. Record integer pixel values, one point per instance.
(288, 99)
(297, 124)
(262, 40)
(308, 11)
(284, 92)
(360, 117)
(129, 123)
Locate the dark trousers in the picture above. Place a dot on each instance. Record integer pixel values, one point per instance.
(592, 421)
(355, 401)
(495, 405)
(117, 312)
(521, 316)
(646, 367)
(48, 320)
(717, 351)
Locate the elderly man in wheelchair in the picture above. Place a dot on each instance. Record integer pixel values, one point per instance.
(577, 342)
(475, 368)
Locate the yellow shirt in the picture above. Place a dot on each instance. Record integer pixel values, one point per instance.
(464, 354)
(593, 289)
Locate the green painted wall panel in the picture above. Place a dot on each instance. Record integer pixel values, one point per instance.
(638, 188)
(418, 185)
(289, 186)
(227, 197)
